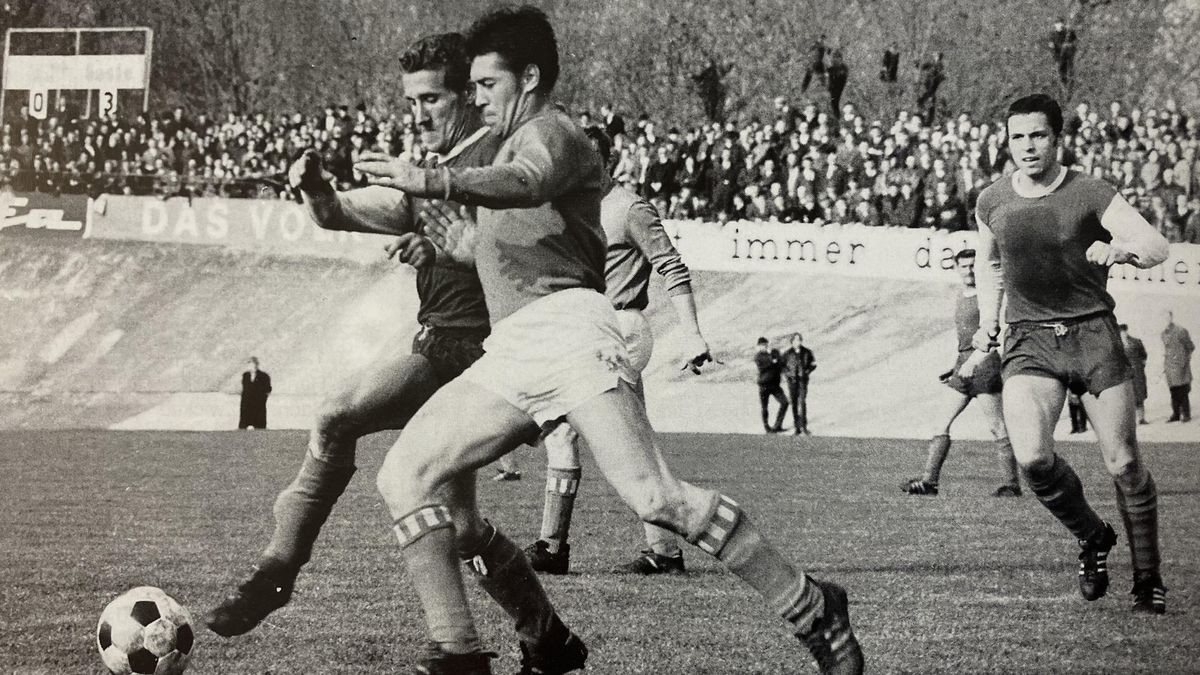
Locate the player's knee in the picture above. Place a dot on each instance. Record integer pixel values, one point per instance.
(1036, 466)
(1127, 472)
(405, 484)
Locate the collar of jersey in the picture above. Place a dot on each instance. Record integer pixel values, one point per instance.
(1039, 192)
(461, 147)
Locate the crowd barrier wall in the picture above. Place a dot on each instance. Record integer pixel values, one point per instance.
(36, 213)
(858, 250)
(267, 226)
(282, 227)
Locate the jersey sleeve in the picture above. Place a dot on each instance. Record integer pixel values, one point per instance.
(646, 229)
(546, 162)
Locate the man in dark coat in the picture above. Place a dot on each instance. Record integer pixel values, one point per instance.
(769, 366)
(256, 387)
(798, 363)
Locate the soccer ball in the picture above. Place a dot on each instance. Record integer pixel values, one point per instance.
(145, 631)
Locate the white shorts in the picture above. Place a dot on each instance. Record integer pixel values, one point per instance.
(639, 341)
(554, 354)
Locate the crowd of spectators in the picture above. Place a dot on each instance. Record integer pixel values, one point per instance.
(804, 164)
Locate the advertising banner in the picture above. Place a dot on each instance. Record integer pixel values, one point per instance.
(891, 253)
(35, 213)
(261, 225)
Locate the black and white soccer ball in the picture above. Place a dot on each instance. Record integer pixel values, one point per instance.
(145, 631)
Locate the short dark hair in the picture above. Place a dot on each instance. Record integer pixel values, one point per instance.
(442, 51)
(1122, 326)
(521, 36)
(1038, 103)
(601, 142)
(964, 254)
(763, 341)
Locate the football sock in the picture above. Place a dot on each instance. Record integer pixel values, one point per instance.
(1137, 499)
(729, 536)
(1008, 462)
(300, 511)
(505, 574)
(939, 447)
(561, 487)
(662, 542)
(1058, 488)
(426, 536)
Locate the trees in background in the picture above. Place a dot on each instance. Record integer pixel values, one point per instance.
(677, 60)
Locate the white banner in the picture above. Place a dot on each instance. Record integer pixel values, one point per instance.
(891, 253)
(88, 71)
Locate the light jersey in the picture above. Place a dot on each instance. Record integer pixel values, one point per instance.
(549, 239)
(966, 319)
(636, 243)
(1042, 243)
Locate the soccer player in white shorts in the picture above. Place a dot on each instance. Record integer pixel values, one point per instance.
(555, 351)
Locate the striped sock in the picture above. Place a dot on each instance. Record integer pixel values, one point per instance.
(1008, 462)
(730, 536)
(427, 537)
(939, 447)
(1058, 487)
(1137, 499)
(561, 487)
(505, 574)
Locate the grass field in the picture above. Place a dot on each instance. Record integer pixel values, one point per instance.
(960, 583)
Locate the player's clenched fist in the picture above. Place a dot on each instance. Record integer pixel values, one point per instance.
(986, 338)
(306, 174)
(1105, 255)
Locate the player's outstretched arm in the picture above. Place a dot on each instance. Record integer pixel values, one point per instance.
(989, 286)
(1135, 241)
(374, 210)
(547, 162)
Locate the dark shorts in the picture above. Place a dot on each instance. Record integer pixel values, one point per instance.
(450, 350)
(985, 380)
(1085, 354)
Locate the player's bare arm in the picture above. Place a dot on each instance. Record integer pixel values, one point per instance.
(373, 210)
(989, 285)
(1135, 241)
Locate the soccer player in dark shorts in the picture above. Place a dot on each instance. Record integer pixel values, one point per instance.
(397, 381)
(555, 352)
(1047, 238)
(983, 385)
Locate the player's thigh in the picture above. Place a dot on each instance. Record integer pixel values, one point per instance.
(383, 394)
(460, 428)
(616, 430)
(993, 411)
(1032, 406)
(1114, 420)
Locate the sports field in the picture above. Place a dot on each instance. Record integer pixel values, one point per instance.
(960, 583)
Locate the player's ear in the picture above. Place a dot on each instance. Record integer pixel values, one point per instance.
(531, 78)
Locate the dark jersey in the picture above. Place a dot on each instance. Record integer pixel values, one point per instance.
(451, 296)
(1042, 243)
